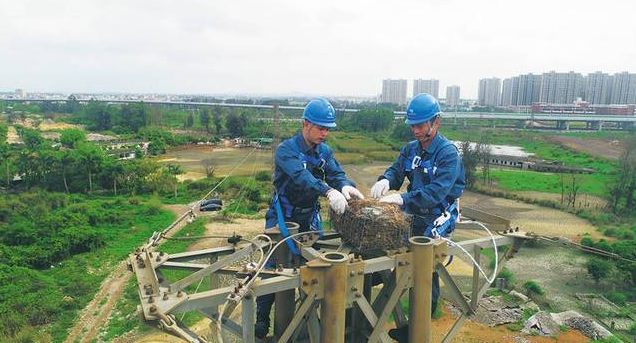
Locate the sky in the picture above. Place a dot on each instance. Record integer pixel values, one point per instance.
(310, 47)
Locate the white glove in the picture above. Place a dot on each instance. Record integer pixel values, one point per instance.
(349, 191)
(393, 199)
(380, 188)
(337, 201)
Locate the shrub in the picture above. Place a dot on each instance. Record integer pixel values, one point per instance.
(587, 241)
(617, 298)
(506, 274)
(533, 287)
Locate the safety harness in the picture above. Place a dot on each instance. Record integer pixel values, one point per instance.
(281, 202)
(446, 211)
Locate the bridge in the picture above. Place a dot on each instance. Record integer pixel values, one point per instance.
(562, 121)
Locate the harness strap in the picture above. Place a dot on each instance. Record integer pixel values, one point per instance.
(282, 226)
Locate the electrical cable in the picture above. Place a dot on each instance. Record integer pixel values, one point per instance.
(494, 244)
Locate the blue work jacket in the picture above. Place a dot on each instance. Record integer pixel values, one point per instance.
(423, 194)
(301, 182)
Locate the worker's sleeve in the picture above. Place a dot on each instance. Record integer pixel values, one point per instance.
(289, 161)
(334, 175)
(396, 173)
(432, 194)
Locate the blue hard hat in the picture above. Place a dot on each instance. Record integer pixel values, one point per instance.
(320, 112)
(423, 107)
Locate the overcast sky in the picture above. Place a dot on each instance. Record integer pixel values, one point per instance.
(322, 47)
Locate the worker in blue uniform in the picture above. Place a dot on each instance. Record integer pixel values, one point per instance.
(305, 169)
(436, 177)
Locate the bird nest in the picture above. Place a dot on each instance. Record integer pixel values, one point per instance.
(370, 225)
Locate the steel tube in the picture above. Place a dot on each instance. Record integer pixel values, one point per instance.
(332, 307)
(420, 297)
(285, 301)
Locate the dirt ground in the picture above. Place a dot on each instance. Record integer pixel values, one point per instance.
(49, 125)
(473, 332)
(532, 218)
(194, 159)
(12, 136)
(594, 146)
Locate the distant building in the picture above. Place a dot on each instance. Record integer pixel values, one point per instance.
(561, 88)
(20, 93)
(452, 96)
(584, 108)
(489, 92)
(509, 90)
(529, 90)
(426, 86)
(623, 90)
(598, 88)
(394, 91)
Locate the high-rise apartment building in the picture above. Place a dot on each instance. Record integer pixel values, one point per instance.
(509, 90)
(452, 96)
(561, 88)
(426, 86)
(623, 90)
(598, 88)
(394, 91)
(529, 89)
(489, 91)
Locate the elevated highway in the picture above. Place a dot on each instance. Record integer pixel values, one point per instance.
(562, 121)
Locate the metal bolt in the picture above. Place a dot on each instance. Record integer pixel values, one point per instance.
(151, 300)
(314, 281)
(153, 308)
(352, 273)
(358, 295)
(179, 294)
(354, 289)
(305, 283)
(360, 272)
(232, 295)
(240, 285)
(165, 295)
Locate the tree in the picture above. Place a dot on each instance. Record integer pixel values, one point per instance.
(205, 119)
(235, 124)
(624, 183)
(175, 169)
(112, 172)
(470, 158)
(599, 269)
(133, 117)
(71, 138)
(91, 158)
(190, 120)
(484, 154)
(216, 116)
(31, 138)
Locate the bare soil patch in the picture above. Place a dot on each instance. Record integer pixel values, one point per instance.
(532, 218)
(594, 146)
(12, 136)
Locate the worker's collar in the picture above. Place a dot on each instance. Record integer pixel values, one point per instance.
(304, 148)
(433, 145)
